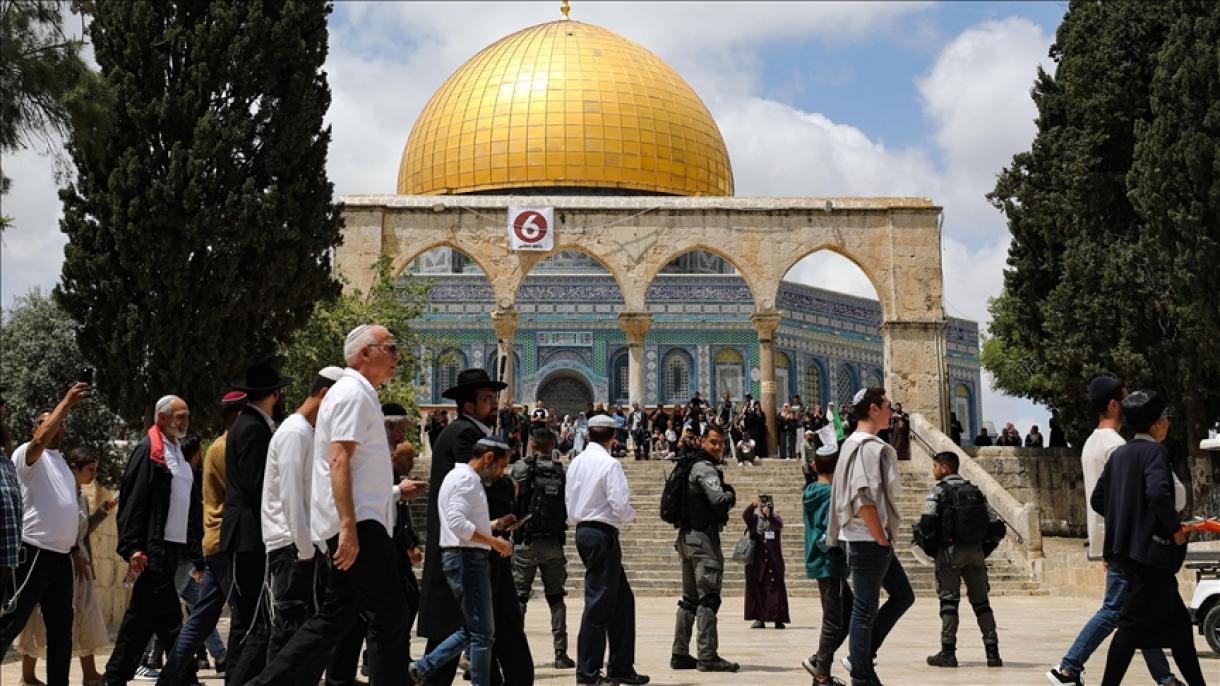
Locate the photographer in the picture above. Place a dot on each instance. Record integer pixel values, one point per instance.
(766, 594)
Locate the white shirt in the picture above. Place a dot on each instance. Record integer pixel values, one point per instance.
(462, 508)
(179, 492)
(350, 411)
(597, 489)
(287, 482)
(1096, 452)
(48, 493)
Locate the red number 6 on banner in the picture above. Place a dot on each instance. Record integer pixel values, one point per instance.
(530, 226)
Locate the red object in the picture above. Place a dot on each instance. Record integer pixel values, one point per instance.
(1209, 525)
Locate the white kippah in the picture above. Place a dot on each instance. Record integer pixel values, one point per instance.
(827, 450)
(332, 373)
(355, 334)
(602, 421)
(855, 400)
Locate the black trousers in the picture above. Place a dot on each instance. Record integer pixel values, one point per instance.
(836, 614)
(609, 605)
(512, 662)
(341, 669)
(291, 585)
(370, 588)
(154, 610)
(1153, 616)
(48, 584)
(246, 653)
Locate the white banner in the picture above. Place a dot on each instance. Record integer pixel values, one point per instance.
(531, 228)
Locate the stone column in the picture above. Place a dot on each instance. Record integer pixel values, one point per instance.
(916, 368)
(765, 323)
(505, 321)
(635, 325)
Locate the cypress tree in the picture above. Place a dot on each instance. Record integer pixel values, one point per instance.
(200, 223)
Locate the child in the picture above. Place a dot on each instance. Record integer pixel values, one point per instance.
(828, 566)
(88, 628)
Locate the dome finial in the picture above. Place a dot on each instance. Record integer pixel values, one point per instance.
(565, 8)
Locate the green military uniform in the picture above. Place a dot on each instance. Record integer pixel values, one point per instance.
(545, 554)
(709, 500)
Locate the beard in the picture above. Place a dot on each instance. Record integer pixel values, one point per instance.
(279, 413)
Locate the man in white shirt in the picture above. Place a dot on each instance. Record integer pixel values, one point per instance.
(1106, 395)
(863, 516)
(599, 504)
(350, 510)
(48, 532)
(465, 540)
(156, 517)
(287, 491)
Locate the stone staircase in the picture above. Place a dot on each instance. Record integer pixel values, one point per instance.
(654, 568)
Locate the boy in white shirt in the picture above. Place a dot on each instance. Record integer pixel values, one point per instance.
(465, 541)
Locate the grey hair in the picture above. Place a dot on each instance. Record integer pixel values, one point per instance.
(164, 403)
(357, 340)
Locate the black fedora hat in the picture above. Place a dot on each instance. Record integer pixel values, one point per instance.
(261, 375)
(470, 380)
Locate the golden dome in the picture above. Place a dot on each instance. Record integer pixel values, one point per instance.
(565, 105)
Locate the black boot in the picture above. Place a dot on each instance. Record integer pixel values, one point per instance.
(993, 655)
(947, 657)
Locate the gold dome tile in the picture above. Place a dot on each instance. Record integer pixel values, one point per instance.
(565, 104)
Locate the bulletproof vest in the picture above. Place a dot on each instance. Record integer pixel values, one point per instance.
(699, 512)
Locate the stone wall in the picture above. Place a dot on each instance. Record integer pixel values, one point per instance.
(1051, 478)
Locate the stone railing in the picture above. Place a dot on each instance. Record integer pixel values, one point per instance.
(1052, 478)
(1022, 518)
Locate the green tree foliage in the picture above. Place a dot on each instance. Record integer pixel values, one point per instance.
(45, 87)
(1069, 306)
(393, 304)
(1115, 219)
(1175, 185)
(40, 363)
(201, 223)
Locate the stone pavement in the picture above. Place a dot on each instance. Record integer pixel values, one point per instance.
(1034, 632)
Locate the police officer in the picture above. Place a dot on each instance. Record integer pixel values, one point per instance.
(959, 529)
(708, 501)
(539, 547)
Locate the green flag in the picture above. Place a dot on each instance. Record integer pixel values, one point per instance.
(838, 422)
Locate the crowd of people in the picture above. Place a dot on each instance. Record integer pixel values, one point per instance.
(300, 525)
(1010, 436)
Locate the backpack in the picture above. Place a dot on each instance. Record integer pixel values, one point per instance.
(966, 518)
(546, 504)
(673, 497)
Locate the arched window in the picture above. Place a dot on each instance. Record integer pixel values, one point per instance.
(782, 371)
(620, 381)
(873, 379)
(675, 368)
(964, 408)
(812, 390)
(845, 386)
(448, 364)
(730, 374)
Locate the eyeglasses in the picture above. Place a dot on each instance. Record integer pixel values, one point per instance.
(391, 348)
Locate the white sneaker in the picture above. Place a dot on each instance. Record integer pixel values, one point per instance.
(146, 674)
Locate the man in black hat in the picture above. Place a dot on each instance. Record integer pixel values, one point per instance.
(439, 613)
(1106, 395)
(241, 533)
(1144, 540)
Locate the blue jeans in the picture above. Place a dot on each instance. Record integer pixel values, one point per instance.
(205, 613)
(873, 567)
(1102, 625)
(189, 590)
(469, 575)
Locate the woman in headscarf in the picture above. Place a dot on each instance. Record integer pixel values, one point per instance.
(766, 594)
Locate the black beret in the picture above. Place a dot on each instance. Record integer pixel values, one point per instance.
(1103, 387)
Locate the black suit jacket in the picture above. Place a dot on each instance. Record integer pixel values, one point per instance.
(1135, 495)
(241, 528)
(143, 509)
(439, 612)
